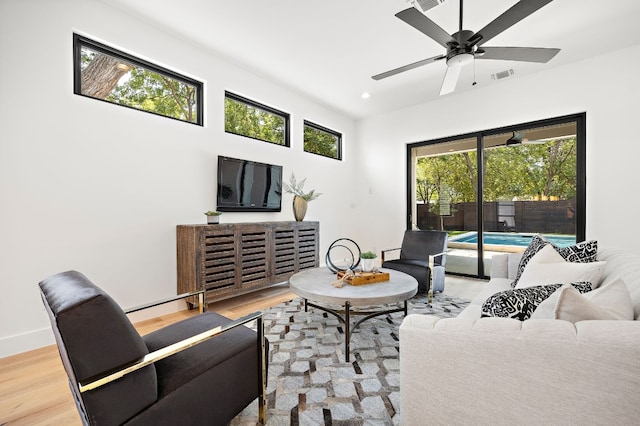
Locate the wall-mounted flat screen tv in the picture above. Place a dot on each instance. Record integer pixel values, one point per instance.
(245, 186)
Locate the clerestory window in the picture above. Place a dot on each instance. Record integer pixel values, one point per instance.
(104, 73)
(322, 141)
(246, 117)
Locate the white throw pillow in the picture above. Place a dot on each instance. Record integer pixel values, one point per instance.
(549, 267)
(609, 302)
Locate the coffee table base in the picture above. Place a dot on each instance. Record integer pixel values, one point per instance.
(347, 312)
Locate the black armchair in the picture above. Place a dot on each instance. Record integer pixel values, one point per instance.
(202, 370)
(423, 256)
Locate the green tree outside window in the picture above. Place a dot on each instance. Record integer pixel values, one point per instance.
(246, 119)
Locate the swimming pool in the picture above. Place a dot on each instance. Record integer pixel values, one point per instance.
(511, 239)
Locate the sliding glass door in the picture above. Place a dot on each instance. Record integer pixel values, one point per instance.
(444, 195)
(494, 189)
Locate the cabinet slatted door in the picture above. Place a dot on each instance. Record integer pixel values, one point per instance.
(253, 255)
(218, 266)
(285, 252)
(237, 258)
(307, 248)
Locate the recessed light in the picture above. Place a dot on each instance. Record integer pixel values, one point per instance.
(365, 95)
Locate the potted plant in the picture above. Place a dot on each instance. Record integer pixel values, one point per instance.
(213, 216)
(300, 198)
(367, 260)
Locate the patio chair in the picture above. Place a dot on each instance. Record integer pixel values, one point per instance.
(507, 216)
(202, 370)
(423, 256)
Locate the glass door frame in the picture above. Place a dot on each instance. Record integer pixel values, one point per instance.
(581, 198)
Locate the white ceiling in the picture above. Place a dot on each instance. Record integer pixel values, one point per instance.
(329, 49)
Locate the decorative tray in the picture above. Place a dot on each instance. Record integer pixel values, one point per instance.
(361, 278)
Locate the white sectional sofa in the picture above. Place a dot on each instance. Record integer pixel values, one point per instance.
(502, 371)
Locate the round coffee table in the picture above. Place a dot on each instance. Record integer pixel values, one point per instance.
(315, 285)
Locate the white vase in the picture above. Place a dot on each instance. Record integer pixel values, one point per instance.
(212, 220)
(367, 265)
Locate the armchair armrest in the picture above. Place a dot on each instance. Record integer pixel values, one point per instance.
(384, 251)
(432, 258)
(540, 371)
(150, 358)
(202, 301)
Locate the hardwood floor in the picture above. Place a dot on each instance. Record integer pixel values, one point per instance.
(34, 388)
(33, 385)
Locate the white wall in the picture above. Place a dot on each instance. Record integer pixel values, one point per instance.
(98, 188)
(605, 87)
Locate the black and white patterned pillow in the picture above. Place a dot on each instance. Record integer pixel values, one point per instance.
(583, 252)
(519, 303)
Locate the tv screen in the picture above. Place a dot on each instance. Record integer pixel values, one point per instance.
(245, 185)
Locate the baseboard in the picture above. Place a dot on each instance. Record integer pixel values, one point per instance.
(19, 343)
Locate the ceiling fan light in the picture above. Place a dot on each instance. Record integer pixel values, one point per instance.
(460, 60)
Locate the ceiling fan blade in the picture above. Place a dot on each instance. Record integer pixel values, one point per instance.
(523, 54)
(407, 67)
(425, 25)
(515, 14)
(450, 79)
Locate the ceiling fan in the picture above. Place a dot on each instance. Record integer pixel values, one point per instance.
(464, 46)
(518, 139)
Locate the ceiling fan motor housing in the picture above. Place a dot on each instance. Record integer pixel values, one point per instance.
(459, 52)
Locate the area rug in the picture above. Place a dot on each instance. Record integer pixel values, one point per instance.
(310, 383)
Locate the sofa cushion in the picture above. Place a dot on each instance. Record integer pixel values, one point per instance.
(494, 286)
(471, 312)
(179, 369)
(547, 266)
(626, 265)
(609, 302)
(520, 303)
(582, 252)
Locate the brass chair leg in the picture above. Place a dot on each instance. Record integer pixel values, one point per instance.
(262, 398)
(202, 302)
(432, 263)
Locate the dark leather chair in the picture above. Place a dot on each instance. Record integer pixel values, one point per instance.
(423, 256)
(202, 370)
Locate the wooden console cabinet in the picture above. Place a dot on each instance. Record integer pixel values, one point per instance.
(231, 259)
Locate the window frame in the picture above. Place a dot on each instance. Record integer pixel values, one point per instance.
(338, 135)
(80, 41)
(255, 104)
